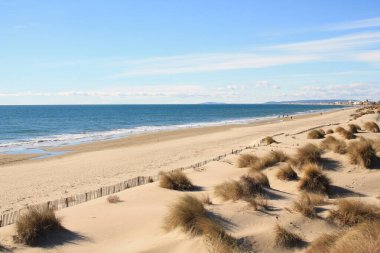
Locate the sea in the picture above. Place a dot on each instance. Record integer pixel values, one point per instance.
(34, 128)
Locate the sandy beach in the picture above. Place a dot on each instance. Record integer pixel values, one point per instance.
(135, 224)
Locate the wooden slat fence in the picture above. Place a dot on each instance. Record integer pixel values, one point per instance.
(11, 217)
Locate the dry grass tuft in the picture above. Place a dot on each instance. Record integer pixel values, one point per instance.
(314, 180)
(339, 129)
(331, 143)
(206, 200)
(316, 134)
(362, 153)
(286, 239)
(35, 225)
(305, 205)
(268, 160)
(189, 214)
(329, 131)
(286, 173)
(363, 238)
(347, 134)
(352, 212)
(269, 140)
(113, 199)
(246, 160)
(309, 153)
(353, 128)
(229, 190)
(371, 126)
(175, 180)
(260, 179)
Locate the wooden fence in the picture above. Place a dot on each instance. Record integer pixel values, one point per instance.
(11, 217)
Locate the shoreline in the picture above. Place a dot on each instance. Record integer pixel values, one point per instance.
(90, 166)
(85, 146)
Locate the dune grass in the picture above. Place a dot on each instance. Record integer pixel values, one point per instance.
(316, 134)
(362, 153)
(189, 214)
(314, 180)
(350, 212)
(269, 140)
(36, 225)
(286, 172)
(246, 160)
(354, 128)
(175, 180)
(309, 153)
(333, 144)
(305, 205)
(348, 135)
(113, 199)
(371, 126)
(229, 190)
(339, 129)
(363, 238)
(268, 160)
(286, 239)
(329, 131)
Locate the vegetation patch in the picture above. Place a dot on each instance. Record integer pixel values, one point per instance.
(175, 180)
(362, 153)
(286, 239)
(314, 180)
(332, 144)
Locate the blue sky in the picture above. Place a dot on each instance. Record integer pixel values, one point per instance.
(174, 51)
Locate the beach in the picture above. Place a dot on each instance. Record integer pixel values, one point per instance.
(135, 224)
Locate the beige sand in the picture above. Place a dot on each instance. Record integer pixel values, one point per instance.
(134, 225)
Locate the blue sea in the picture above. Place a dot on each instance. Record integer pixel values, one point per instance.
(24, 128)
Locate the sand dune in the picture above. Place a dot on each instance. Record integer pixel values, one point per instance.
(135, 224)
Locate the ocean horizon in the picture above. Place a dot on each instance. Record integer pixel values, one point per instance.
(35, 127)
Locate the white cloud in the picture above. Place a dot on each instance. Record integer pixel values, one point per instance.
(266, 84)
(356, 24)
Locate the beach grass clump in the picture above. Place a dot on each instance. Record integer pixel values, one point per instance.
(309, 153)
(306, 202)
(332, 144)
(246, 160)
(354, 128)
(189, 214)
(269, 140)
(259, 179)
(329, 131)
(206, 200)
(113, 199)
(314, 180)
(268, 160)
(229, 190)
(362, 238)
(286, 173)
(371, 126)
(350, 212)
(36, 225)
(339, 129)
(362, 153)
(286, 239)
(348, 135)
(175, 180)
(316, 134)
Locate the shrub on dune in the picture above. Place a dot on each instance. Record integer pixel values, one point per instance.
(352, 212)
(309, 153)
(362, 153)
(286, 239)
(113, 199)
(316, 134)
(347, 134)
(268, 160)
(371, 126)
(337, 146)
(189, 214)
(353, 128)
(363, 238)
(329, 131)
(229, 190)
(314, 180)
(286, 173)
(269, 140)
(339, 129)
(260, 179)
(305, 204)
(36, 225)
(175, 180)
(246, 160)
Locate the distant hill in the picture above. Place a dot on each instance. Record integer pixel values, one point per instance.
(213, 103)
(323, 101)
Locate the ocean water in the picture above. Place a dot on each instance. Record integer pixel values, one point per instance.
(32, 128)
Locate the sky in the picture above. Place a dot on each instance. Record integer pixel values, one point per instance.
(193, 51)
